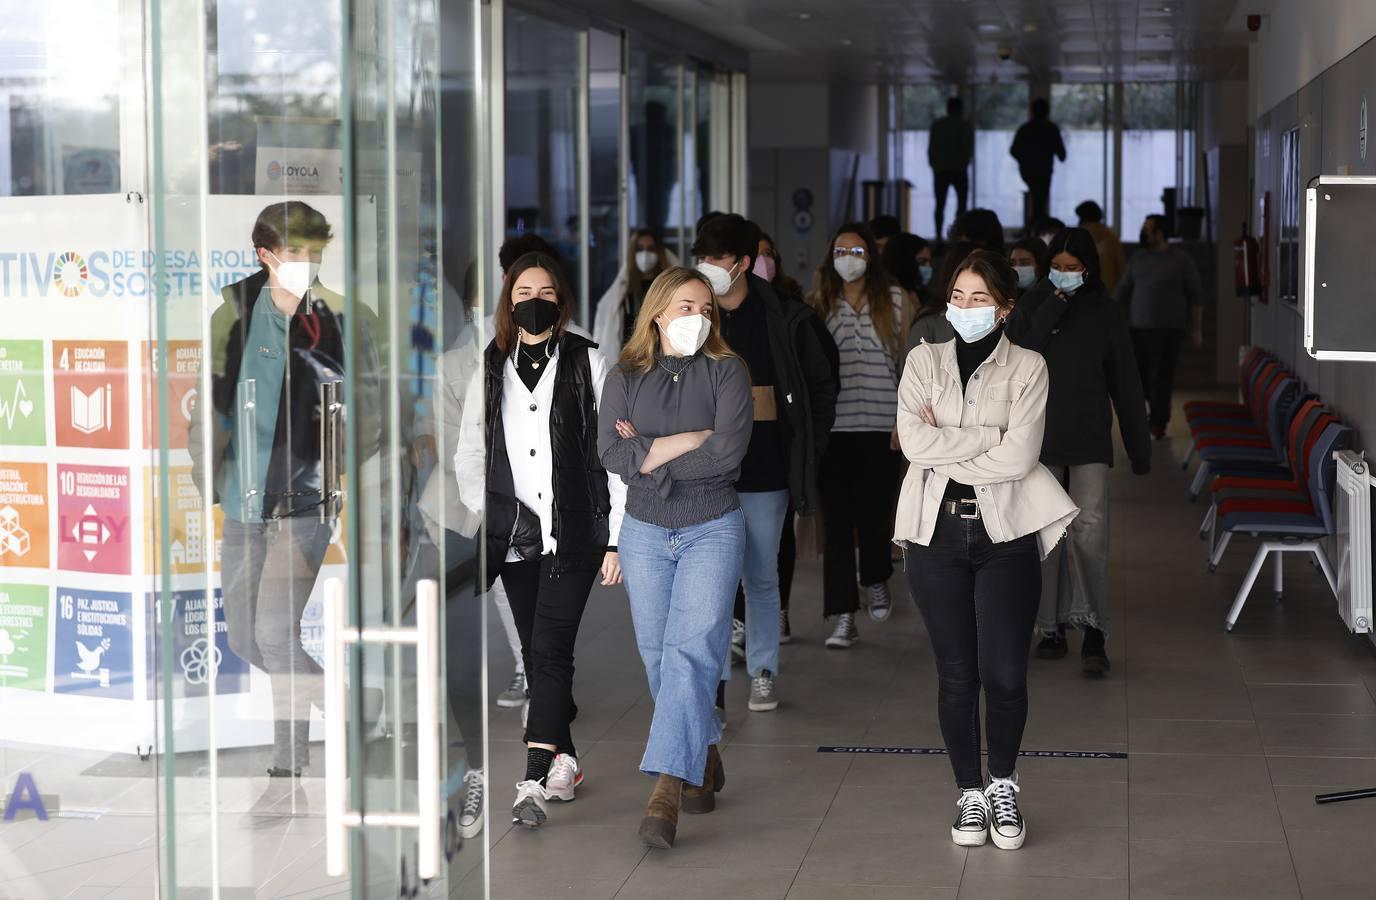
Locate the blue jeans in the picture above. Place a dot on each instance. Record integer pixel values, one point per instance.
(764, 525)
(682, 582)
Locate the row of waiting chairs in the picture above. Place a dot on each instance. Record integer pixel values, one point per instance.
(1268, 466)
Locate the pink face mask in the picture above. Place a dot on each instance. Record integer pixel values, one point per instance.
(765, 268)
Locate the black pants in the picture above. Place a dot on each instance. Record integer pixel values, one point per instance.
(960, 180)
(1039, 193)
(858, 487)
(548, 611)
(1158, 355)
(788, 559)
(979, 600)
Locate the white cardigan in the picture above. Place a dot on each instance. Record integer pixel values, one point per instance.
(525, 428)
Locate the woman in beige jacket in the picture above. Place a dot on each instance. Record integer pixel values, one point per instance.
(976, 516)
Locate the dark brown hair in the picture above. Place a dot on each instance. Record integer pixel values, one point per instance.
(829, 288)
(998, 276)
(281, 224)
(507, 336)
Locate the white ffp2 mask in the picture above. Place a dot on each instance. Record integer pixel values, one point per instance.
(688, 333)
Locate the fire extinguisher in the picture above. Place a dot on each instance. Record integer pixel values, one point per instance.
(1246, 271)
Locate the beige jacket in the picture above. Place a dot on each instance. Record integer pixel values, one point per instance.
(990, 439)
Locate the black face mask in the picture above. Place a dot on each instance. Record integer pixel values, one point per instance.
(535, 316)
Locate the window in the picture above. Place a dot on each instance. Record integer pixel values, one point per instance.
(921, 105)
(1081, 111)
(59, 99)
(999, 110)
(1149, 149)
(654, 124)
(604, 181)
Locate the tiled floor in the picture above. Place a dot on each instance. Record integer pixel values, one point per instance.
(1229, 737)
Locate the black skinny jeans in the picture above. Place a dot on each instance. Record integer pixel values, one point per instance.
(548, 610)
(979, 600)
(858, 487)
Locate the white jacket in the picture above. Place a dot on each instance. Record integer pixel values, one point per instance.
(990, 438)
(525, 423)
(611, 311)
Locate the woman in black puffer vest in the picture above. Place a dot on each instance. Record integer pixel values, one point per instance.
(527, 458)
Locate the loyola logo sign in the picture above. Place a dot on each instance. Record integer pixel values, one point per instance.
(24, 796)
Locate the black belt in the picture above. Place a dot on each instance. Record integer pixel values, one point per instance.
(966, 509)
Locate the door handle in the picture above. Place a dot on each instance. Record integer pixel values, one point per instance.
(339, 818)
(331, 411)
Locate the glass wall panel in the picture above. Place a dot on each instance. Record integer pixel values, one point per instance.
(1081, 111)
(655, 157)
(608, 250)
(78, 791)
(542, 82)
(703, 140)
(1149, 149)
(919, 106)
(999, 110)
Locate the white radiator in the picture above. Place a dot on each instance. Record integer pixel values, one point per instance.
(1352, 519)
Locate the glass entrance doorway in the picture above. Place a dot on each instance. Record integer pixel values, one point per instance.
(240, 650)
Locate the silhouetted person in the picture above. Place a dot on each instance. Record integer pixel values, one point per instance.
(950, 147)
(1036, 147)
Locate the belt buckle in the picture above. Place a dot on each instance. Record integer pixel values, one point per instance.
(974, 504)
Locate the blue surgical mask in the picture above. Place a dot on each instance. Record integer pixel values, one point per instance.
(1069, 282)
(1027, 275)
(926, 273)
(972, 324)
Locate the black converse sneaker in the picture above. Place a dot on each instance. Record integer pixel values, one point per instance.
(971, 827)
(1007, 828)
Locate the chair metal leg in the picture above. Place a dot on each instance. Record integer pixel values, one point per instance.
(1201, 478)
(1279, 585)
(1218, 550)
(1252, 573)
(1316, 548)
(1207, 526)
(1189, 455)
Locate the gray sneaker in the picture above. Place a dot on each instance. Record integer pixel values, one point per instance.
(764, 694)
(515, 693)
(881, 604)
(846, 634)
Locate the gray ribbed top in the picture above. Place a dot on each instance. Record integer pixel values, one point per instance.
(698, 486)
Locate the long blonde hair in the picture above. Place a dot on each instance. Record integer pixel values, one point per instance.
(829, 289)
(640, 353)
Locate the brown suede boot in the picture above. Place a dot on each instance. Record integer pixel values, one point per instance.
(658, 827)
(698, 800)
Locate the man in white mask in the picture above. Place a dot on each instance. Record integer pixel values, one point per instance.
(794, 407)
(276, 339)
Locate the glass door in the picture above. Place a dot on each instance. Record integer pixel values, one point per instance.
(314, 645)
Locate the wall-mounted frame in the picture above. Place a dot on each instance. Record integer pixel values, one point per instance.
(1339, 269)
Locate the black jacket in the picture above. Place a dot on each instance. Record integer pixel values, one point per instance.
(1092, 372)
(582, 503)
(315, 346)
(805, 387)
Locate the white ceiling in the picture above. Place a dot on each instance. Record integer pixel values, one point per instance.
(960, 40)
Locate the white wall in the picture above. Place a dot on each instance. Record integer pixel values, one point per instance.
(1299, 39)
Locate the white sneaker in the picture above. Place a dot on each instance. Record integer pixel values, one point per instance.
(846, 634)
(529, 808)
(564, 777)
(471, 817)
(764, 693)
(515, 695)
(1007, 828)
(737, 641)
(971, 827)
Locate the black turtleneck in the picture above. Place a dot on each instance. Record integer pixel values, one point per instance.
(531, 362)
(969, 357)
